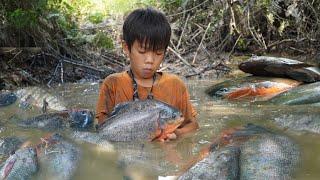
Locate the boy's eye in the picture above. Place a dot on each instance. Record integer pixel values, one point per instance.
(159, 53)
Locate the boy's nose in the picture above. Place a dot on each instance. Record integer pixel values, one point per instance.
(149, 58)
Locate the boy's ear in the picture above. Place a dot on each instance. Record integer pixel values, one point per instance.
(125, 48)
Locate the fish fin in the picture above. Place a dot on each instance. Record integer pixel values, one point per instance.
(118, 108)
(8, 168)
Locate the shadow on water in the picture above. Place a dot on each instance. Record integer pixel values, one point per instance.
(149, 160)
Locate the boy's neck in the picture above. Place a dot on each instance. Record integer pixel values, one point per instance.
(145, 82)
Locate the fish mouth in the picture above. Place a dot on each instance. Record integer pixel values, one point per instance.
(175, 123)
(168, 128)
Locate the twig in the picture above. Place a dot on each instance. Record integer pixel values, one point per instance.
(61, 71)
(28, 76)
(234, 46)
(204, 35)
(218, 67)
(67, 60)
(284, 41)
(55, 71)
(196, 34)
(178, 55)
(184, 28)
(15, 56)
(254, 34)
(298, 50)
(172, 44)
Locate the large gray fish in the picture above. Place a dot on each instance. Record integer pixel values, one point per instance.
(251, 88)
(30, 97)
(58, 158)
(300, 120)
(74, 118)
(93, 138)
(8, 145)
(22, 164)
(136, 156)
(280, 67)
(141, 121)
(304, 94)
(248, 153)
(7, 98)
(222, 164)
(269, 156)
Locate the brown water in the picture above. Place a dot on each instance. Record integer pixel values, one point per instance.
(148, 161)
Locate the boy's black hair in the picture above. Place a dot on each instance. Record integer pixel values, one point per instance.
(149, 26)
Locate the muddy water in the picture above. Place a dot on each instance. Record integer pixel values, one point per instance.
(150, 160)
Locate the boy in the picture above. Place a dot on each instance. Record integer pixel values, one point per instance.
(146, 36)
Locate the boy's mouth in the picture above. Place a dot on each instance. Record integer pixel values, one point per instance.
(147, 71)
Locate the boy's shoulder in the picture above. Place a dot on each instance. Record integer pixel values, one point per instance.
(172, 78)
(115, 77)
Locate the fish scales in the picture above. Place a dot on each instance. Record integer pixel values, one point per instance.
(21, 165)
(304, 94)
(220, 165)
(269, 156)
(262, 154)
(59, 158)
(34, 96)
(139, 120)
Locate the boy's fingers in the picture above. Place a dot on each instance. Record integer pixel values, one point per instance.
(172, 136)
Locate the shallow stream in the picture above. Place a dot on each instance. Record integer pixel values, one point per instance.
(155, 159)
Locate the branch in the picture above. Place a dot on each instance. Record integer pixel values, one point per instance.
(204, 35)
(178, 55)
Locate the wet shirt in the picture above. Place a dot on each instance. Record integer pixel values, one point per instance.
(169, 88)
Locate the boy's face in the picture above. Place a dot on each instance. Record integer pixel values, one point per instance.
(144, 62)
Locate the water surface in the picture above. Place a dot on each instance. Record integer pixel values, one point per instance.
(150, 160)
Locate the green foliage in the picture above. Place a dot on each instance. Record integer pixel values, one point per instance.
(96, 17)
(102, 40)
(242, 44)
(22, 18)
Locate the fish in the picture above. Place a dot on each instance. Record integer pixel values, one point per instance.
(303, 120)
(36, 97)
(22, 164)
(269, 156)
(251, 88)
(222, 164)
(248, 152)
(8, 145)
(143, 120)
(57, 157)
(303, 94)
(7, 98)
(281, 67)
(93, 138)
(73, 118)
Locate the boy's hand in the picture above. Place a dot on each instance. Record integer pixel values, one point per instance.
(171, 136)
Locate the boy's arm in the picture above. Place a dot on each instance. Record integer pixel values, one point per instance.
(188, 127)
(189, 113)
(104, 102)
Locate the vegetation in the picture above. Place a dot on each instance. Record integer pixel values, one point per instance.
(88, 31)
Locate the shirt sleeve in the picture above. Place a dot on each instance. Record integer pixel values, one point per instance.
(105, 100)
(186, 108)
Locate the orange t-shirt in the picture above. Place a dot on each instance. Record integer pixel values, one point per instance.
(169, 88)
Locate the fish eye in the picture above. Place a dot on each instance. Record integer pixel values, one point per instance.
(224, 89)
(83, 112)
(174, 115)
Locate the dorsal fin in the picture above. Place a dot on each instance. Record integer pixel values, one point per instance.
(119, 108)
